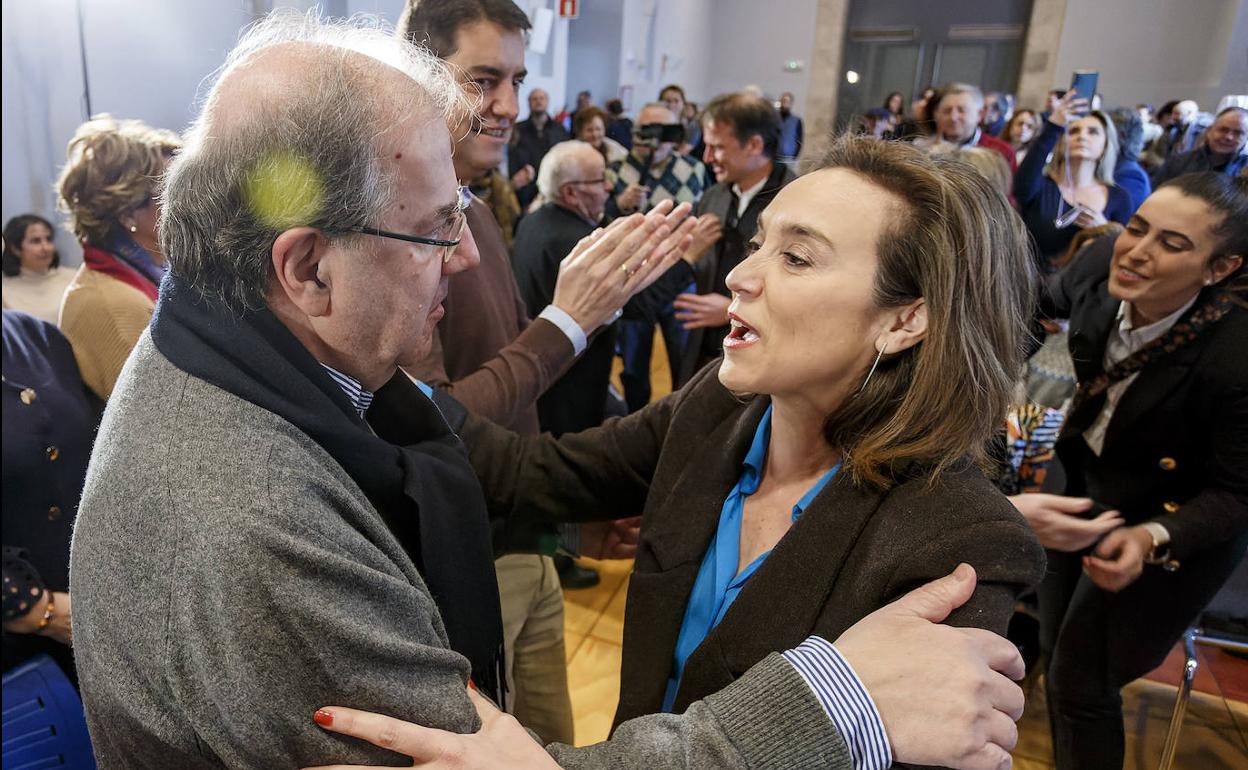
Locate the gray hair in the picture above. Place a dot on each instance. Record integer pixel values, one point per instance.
(962, 88)
(561, 165)
(305, 152)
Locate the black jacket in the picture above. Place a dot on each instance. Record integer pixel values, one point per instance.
(1175, 450)
(577, 400)
(528, 147)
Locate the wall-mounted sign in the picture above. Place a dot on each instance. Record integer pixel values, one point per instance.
(569, 9)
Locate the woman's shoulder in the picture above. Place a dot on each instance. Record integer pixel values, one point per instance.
(92, 288)
(960, 495)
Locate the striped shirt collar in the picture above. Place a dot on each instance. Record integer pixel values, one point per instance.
(359, 397)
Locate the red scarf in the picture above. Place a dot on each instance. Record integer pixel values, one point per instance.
(103, 262)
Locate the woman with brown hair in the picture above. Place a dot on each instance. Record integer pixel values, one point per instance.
(828, 464)
(108, 188)
(34, 281)
(1020, 132)
(590, 126)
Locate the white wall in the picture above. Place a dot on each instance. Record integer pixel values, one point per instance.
(751, 41)
(666, 41)
(714, 46)
(594, 50)
(145, 59)
(42, 107)
(1157, 50)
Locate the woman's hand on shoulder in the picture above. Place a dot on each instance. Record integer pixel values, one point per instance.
(501, 741)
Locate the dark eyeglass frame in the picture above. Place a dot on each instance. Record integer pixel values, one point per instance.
(600, 181)
(457, 230)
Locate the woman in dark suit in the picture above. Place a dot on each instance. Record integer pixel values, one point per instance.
(828, 464)
(50, 419)
(1158, 330)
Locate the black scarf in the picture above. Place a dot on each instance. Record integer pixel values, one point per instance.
(414, 469)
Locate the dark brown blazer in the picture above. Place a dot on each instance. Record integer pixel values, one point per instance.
(851, 552)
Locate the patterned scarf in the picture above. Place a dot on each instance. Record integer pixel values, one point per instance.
(1180, 335)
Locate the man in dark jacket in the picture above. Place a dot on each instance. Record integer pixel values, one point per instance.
(1223, 150)
(742, 135)
(572, 181)
(531, 140)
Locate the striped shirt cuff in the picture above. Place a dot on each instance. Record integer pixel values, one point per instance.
(571, 329)
(846, 701)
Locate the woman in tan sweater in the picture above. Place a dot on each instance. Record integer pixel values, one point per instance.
(107, 188)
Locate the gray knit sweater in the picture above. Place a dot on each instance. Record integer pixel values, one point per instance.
(229, 578)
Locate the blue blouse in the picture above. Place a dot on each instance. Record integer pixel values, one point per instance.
(719, 580)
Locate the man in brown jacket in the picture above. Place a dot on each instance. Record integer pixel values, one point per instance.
(491, 357)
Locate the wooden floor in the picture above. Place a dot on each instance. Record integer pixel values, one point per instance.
(1215, 731)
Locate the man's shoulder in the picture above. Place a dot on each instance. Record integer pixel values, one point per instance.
(196, 435)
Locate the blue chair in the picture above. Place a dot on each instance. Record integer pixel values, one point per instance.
(43, 722)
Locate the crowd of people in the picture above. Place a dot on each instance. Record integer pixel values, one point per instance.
(297, 462)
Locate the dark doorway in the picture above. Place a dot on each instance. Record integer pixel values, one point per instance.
(907, 45)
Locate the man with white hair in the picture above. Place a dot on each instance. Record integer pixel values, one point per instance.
(958, 111)
(1224, 149)
(572, 181)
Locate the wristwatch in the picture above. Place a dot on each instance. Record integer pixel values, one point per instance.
(1159, 554)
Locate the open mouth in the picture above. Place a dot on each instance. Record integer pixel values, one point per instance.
(740, 334)
(1130, 276)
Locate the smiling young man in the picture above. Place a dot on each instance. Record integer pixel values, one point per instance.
(1157, 334)
(491, 357)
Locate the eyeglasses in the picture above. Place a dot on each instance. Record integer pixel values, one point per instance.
(600, 181)
(455, 229)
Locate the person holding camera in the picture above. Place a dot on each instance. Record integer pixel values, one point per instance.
(1075, 189)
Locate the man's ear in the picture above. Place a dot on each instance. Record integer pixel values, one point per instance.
(302, 275)
(907, 327)
(754, 145)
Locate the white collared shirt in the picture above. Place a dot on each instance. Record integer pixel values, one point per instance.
(745, 196)
(1123, 342)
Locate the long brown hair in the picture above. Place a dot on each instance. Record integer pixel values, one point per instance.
(956, 243)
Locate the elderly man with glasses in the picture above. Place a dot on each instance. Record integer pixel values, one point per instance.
(276, 513)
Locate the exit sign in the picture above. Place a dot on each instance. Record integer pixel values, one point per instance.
(569, 9)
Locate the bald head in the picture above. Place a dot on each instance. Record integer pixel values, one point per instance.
(301, 127)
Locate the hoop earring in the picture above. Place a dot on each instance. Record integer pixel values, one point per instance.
(878, 356)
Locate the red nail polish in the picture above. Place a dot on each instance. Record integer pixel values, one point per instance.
(471, 685)
(323, 718)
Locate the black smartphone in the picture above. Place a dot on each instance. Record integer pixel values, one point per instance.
(1083, 83)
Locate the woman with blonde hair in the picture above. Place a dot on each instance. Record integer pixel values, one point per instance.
(989, 163)
(108, 188)
(1075, 189)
